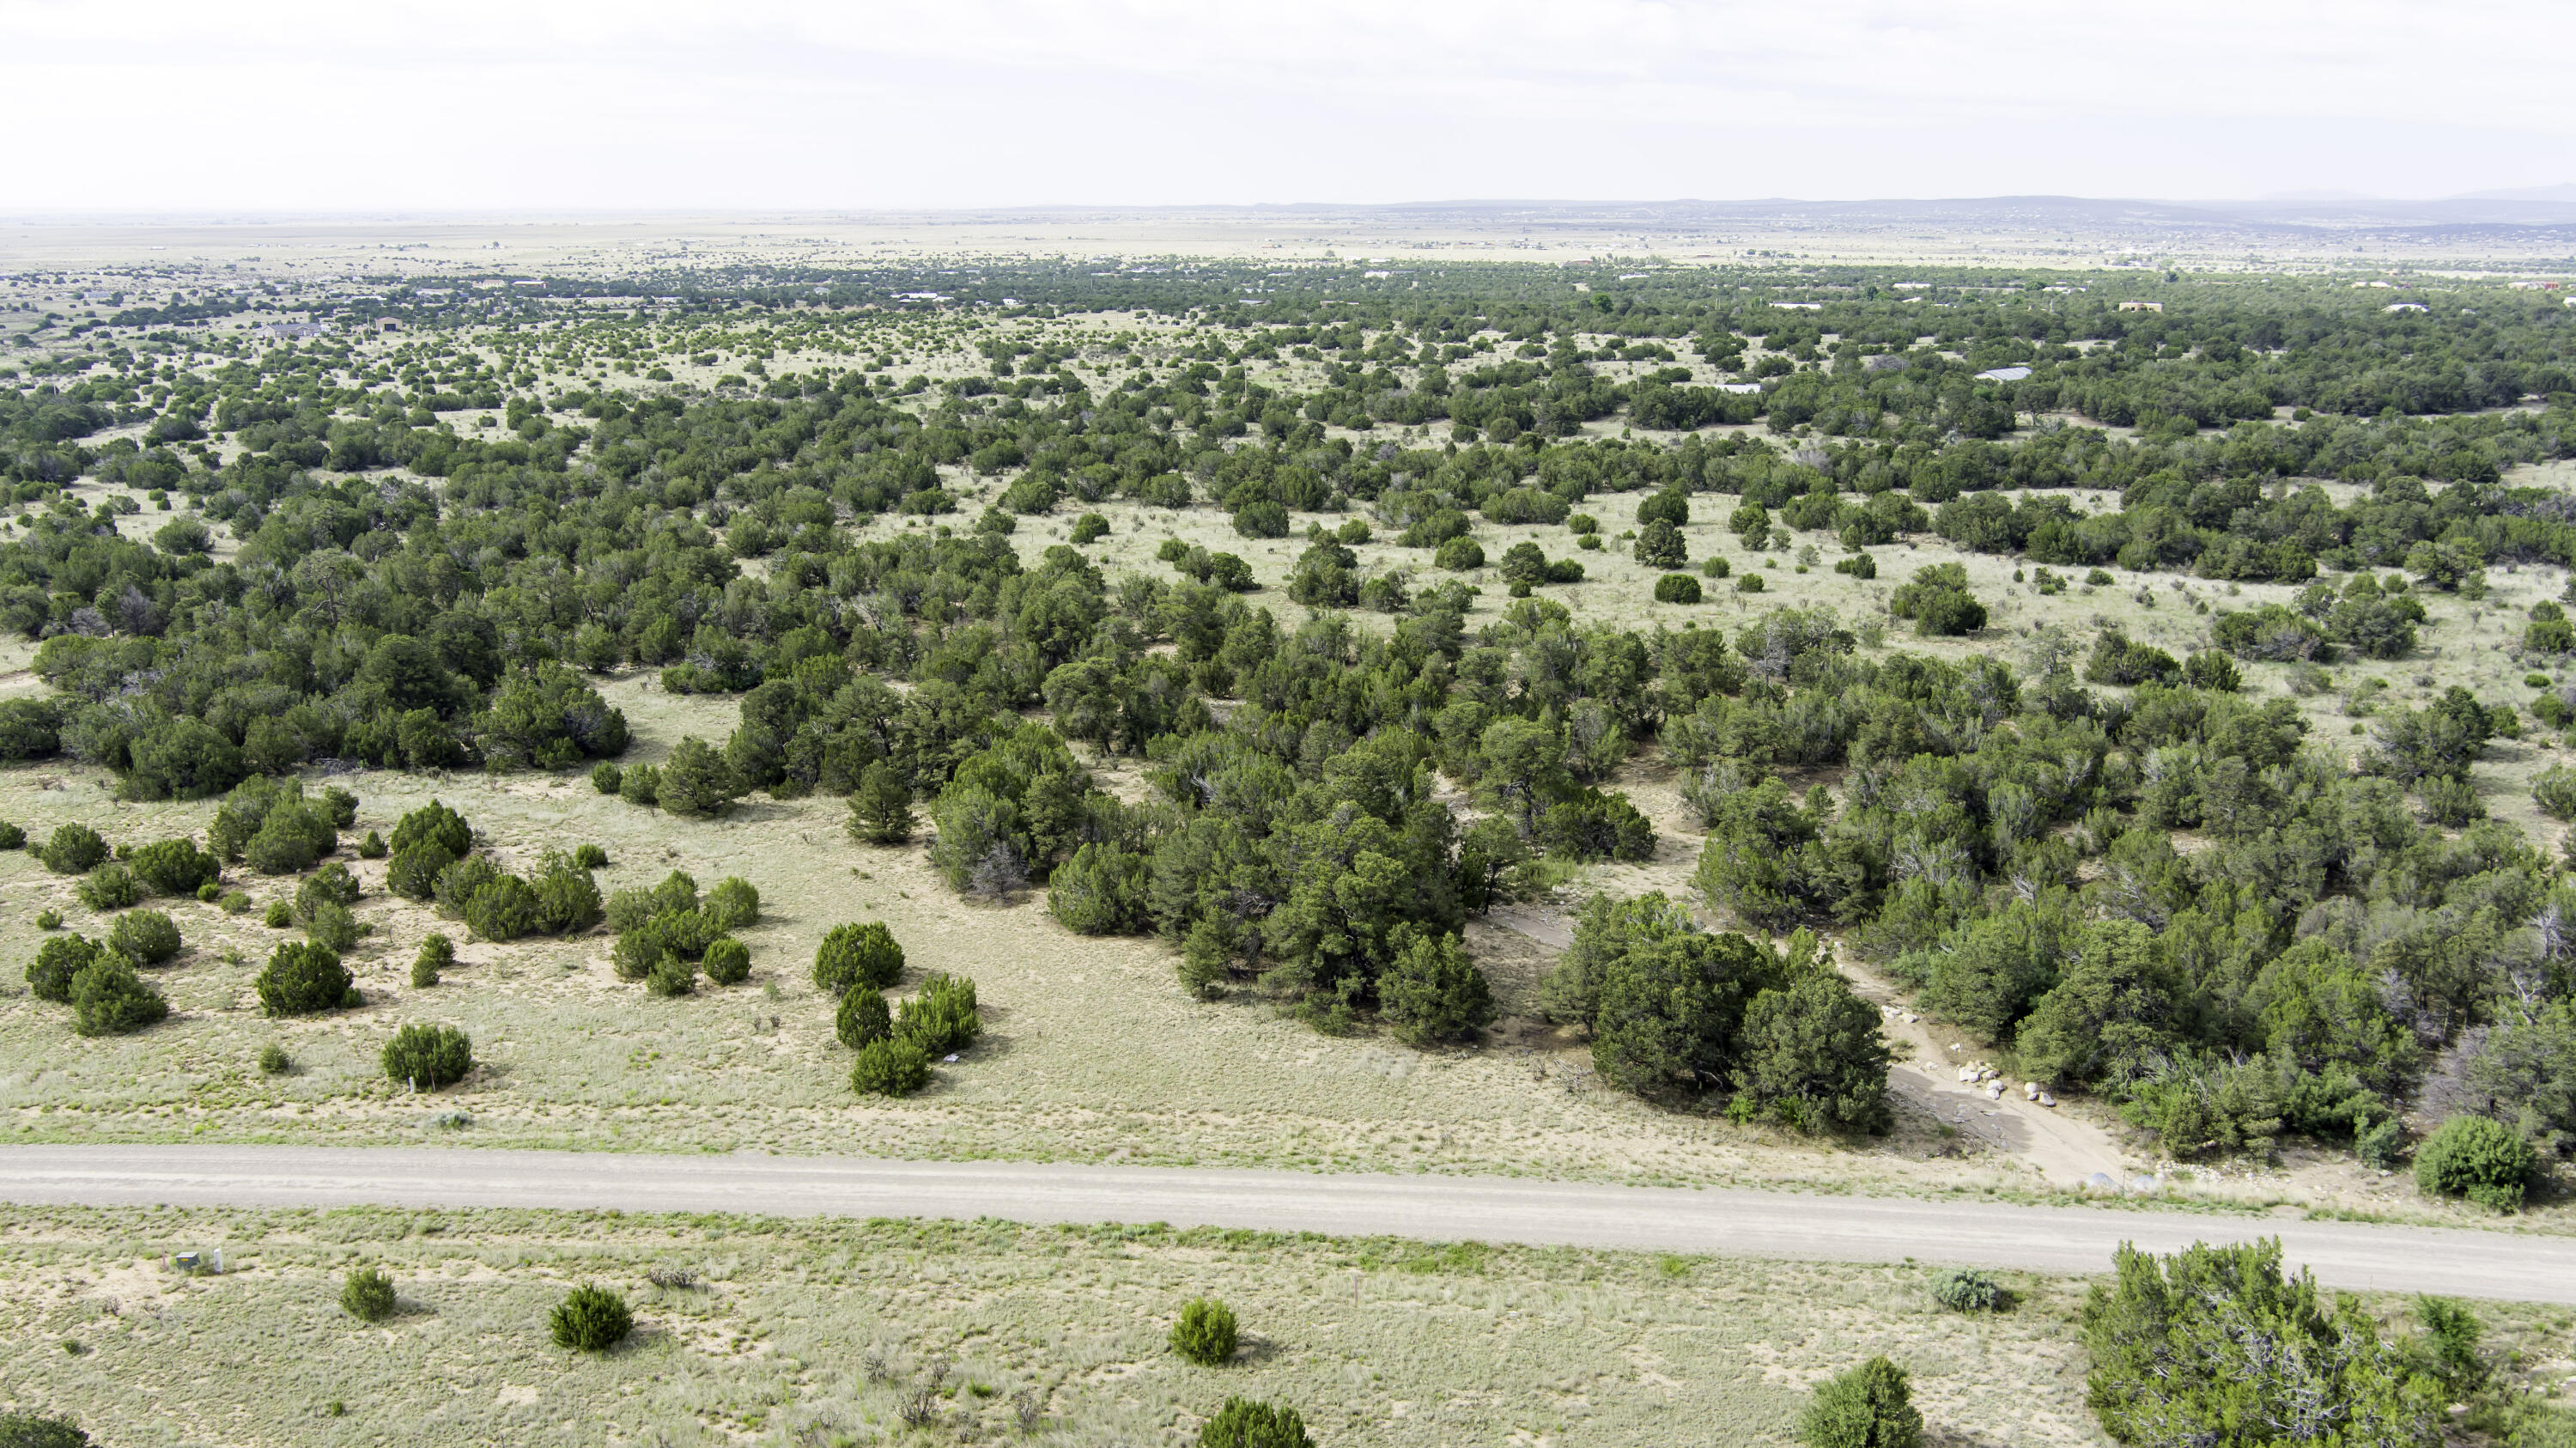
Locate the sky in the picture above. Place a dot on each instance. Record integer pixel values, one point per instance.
(471, 105)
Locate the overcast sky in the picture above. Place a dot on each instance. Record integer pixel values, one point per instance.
(728, 104)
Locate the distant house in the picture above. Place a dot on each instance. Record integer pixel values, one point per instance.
(387, 324)
(1882, 363)
(2003, 374)
(1739, 387)
(2406, 307)
(2142, 306)
(296, 331)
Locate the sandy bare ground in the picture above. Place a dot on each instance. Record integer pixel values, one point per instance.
(2491, 1265)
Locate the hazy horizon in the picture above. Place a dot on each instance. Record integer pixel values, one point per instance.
(479, 107)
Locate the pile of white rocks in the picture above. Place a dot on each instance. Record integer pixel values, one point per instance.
(1978, 1073)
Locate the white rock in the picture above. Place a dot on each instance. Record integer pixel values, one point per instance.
(2047, 1100)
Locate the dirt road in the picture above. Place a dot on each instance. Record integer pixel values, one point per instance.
(2496, 1265)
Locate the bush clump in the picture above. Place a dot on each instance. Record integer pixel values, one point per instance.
(943, 1018)
(590, 1319)
(367, 1294)
(72, 850)
(109, 887)
(1677, 588)
(890, 1067)
(1102, 890)
(145, 936)
(727, 961)
(2471, 1156)
(1243, 1423)
(428, 1057)
(40, 1430)
(304, 978)
(862, 1019)
(437, 953)
(12, 836)
(273, 1060)
(858, 955)
(1871, 1406)
(1432, 993)
(589, 857)
(1205, 1332)
(1966, 1289)
(733, 904)
(173, 867)
(49, 977)
(434, 824)
(109, 999)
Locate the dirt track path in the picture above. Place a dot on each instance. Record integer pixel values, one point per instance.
(2495, 1265)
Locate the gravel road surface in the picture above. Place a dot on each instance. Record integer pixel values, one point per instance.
(2496, 1265)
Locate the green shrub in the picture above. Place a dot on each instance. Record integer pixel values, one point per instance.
(1431, 993)
(329, 924)
(173, 867)
(434, 824)
(641, 785)
(606, 777)
(1088, 527)
(1715, 567)
(210, 892)
(457, 883)
(862, 1018)
(303, 978)
(671, 976)
(881, 807)
(428, 1057)
(12, 836)
(728, 961)
(591, 1319)
(942, 1019)
(1965, 1289)
(1871, 1406)
(110, 886)
(145, 936)
(273, 1060)
(235, 902)
(858, 955)
(367, 1294)
(733, 904)
(2554, 789)
(49, 920)
(339, 806)
(1859, 565)
(37, 1430)
(279, 915)
(1101, 891)
(293, 836)
(505, 907)
(1460, 555)
(2217, 1336)
(2471, 1156)
(108, 999)
(330, 885)
(72, 850)
(414, 870)
(891, 1067)
(589, 857)
(1677, 588)
(567, 898)
(1749, 583)
(49, 978)
(628, 909)
(1242, 1423)
(1205, 1332)
(373, 847)
(677, 894)
(437, 953)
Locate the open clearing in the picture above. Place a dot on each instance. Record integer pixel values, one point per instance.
(1377, 1340)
